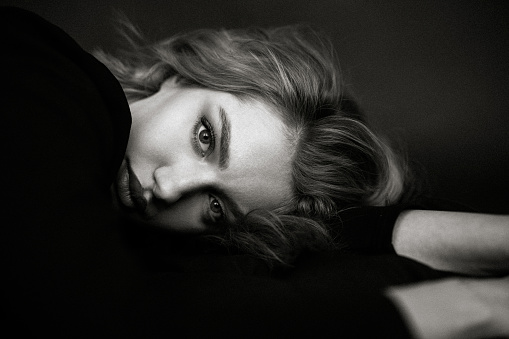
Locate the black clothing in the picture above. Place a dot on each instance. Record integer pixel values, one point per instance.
(70, 270)
(65, 121)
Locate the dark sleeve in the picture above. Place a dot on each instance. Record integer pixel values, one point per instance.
(368, 229)
(65, 124)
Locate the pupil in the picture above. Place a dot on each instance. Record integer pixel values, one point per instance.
(204, 136)
(215, 206)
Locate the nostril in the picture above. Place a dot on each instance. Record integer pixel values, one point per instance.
(166, 192)
(163, 186)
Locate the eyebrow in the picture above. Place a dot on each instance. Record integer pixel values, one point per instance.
(224, 143)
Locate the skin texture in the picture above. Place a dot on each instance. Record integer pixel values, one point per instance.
(186, 184)
(455, 308)
(469, 243)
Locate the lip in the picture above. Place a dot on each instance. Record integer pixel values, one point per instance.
(136, 190)
(129, 189)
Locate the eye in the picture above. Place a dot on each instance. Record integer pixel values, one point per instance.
(216, 210)
(204, 139)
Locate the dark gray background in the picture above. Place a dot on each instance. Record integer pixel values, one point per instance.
(434, 74)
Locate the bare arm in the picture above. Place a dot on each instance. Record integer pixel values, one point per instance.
(455, 308)
(468, 243)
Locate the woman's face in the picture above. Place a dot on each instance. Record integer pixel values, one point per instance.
(197, 157)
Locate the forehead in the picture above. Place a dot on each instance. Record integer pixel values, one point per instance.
(259, 173)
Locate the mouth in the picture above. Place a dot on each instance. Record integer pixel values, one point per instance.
(129, 189)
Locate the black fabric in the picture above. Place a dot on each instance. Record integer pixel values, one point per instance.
(368, 229)
(68, 268)
(64, 125)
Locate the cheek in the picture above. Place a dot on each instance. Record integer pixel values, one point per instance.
(184, 216)
(153, 139)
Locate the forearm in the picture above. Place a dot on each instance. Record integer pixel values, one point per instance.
(455, 308)
(455, 241)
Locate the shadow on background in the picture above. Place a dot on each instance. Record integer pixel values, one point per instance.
(433, 74)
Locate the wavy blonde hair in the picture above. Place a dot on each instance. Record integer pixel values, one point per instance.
(339, 161)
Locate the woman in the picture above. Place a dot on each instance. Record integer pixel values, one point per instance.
(66, 130)
(251, 130)
(302, 161)
(272, 105)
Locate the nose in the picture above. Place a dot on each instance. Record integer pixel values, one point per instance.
(173, 182)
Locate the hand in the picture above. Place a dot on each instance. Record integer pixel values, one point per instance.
(455, 308)
(495, 294)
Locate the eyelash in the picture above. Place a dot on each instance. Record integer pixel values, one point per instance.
(196, 138)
